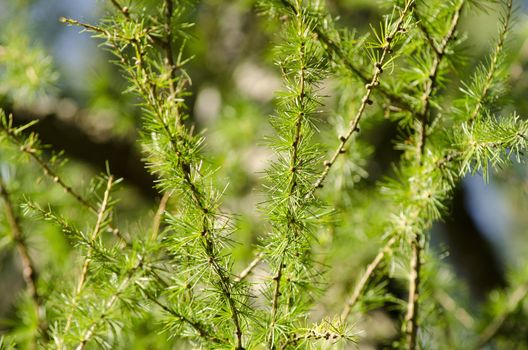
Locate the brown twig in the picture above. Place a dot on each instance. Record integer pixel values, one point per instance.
(254, 263)
(313, 335)
(411, 318)
(156, 222)
(18, 238)
(336, 49)
(274, 304)
(372, 83)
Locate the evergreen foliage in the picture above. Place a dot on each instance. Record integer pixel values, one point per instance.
(175, 282)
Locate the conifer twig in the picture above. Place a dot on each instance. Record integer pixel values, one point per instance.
(300, 98)
(108, 305)
(153, 98)
(197, 326)
(312, 335)
(373, 83)
(334, 48)
(185, 166)
(159, 215)
(88, 259)
(167, 46)
(494, 61)
(291, 185)
(251, 266)
(365, 277)
(431, 84)
(48, 171)
(411, 317)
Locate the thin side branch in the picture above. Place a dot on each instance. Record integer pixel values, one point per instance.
(411, 318)
(494, 61)
(159, 215)
(197, 326)
(373, 83)
(367, 275)
(153, 98)
(301, 99)
(101, 215)
(86, 26)
(169, 52)
(254, 263)
(451, 307)
(108, 305)
(46, 168)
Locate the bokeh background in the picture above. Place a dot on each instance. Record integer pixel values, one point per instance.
(64, 80)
